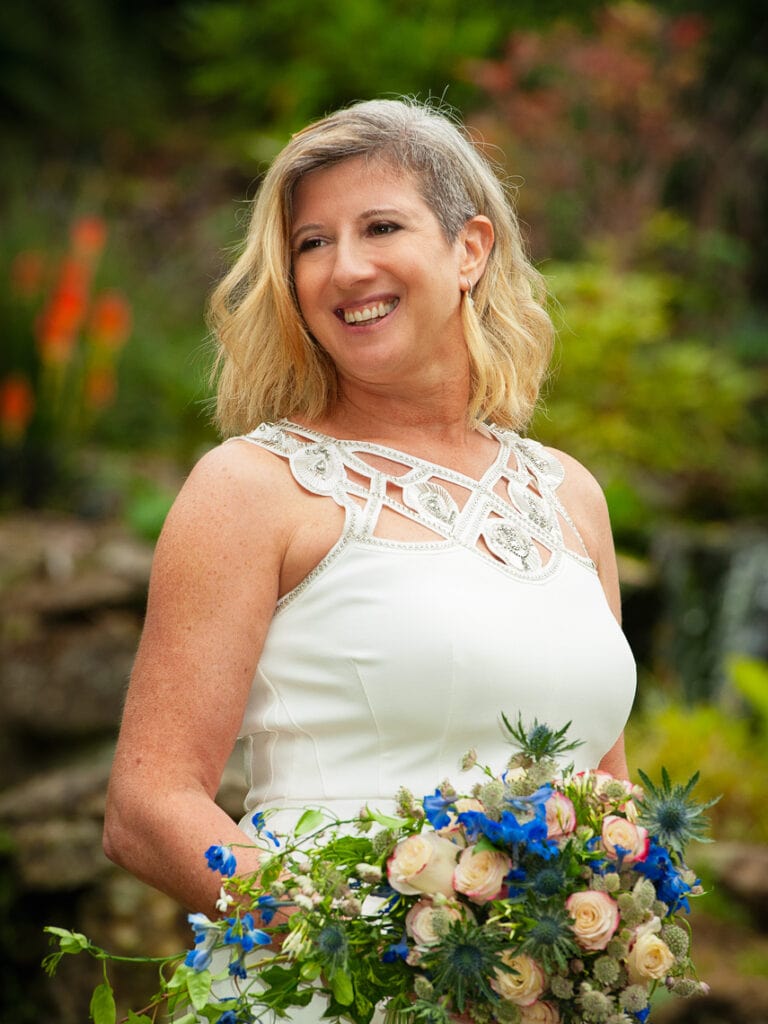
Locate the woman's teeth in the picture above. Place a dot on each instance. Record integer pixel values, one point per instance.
(374, 312)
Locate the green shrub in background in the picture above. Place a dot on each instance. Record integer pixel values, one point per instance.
(662, 418)
(726, 745)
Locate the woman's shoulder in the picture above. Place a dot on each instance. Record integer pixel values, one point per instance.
(578, 481)
(582, 496)
(231, 493)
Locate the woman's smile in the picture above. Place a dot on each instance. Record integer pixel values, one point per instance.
(371, 264)
(367, 313)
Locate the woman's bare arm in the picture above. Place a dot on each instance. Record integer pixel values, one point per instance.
(212, 595)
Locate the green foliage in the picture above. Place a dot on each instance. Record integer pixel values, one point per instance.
(271, 67)
(750, 680)
(103, 1010)
(77, 73)
(658, 416)
(722, 746)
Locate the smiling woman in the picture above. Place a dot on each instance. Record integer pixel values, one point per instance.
(377, 564)
(376, 278)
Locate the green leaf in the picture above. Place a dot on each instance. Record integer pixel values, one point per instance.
(341, 986)
(386, 820)
(188, 1018)
(134, 1018)
(310, 820)
(199, 988)
(69, 942)
(310, 971)
(102, 1008)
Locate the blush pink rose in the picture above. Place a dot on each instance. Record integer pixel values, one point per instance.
(622, 836)
(420, 920)
(423, 863)
(649, 955)
(523, 984)
(561, 816)
(595, 918)
(480, 873)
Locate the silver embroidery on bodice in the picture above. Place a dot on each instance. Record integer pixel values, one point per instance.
(520, 532)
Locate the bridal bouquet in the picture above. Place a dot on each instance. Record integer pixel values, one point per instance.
(534, 896)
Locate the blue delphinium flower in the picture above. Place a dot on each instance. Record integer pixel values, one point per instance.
(206, 933)
(532, 801)
(228, 1017)
(237, 969)
(434, 808)
(268, 907)
(507, 830)
(221, 859)
(397, 951)
(671, 888)
(259, 822)
(243, 932)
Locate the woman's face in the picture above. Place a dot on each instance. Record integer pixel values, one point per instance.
(378, 284)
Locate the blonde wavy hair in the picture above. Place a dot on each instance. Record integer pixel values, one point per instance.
(268, 365)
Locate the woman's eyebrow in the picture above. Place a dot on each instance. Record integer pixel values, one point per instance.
(376, 211)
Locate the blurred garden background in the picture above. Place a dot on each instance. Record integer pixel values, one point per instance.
(133, 134)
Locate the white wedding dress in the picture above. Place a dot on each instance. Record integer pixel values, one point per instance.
(392, 658)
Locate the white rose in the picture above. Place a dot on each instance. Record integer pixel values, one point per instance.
(633, 839)
(423, 863)
(561, 816)
(539, 1013)
(524, 984)
(421, 919)
(595, 918)
(649, 955)
(480, 873)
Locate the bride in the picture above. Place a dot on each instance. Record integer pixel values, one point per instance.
(376, 563)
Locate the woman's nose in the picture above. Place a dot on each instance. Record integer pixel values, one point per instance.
(351, 263)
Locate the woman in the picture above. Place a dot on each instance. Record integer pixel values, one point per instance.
(360, 584)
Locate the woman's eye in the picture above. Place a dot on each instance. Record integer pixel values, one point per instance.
(383, 228)
(309, 243)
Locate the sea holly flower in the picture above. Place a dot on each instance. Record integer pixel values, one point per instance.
(539, 741)
(550, 939)
(464, 963)
(221, 859)
(669, 813)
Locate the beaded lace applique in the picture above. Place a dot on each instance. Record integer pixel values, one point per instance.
(520, 531)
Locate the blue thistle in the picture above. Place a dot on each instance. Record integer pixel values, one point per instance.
(669, 813)
(332, 947)
(549, 939)
(539, 741)
(465, 962)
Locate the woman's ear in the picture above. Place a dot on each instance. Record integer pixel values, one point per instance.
(477, 239)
